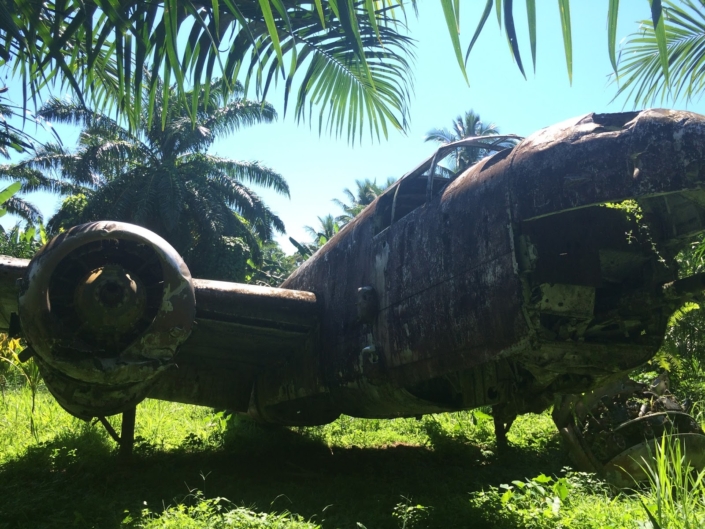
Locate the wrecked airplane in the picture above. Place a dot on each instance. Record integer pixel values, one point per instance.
(516, 284)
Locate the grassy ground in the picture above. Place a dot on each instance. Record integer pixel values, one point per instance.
(440, 471)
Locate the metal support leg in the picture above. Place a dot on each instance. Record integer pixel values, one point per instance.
(127, 432)
(502, 423)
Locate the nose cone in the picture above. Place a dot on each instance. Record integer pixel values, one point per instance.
(602, 158)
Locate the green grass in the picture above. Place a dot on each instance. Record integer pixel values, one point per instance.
(440, 471)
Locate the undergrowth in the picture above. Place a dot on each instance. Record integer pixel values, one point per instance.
(439, 471)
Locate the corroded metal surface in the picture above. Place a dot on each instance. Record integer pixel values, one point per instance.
(241, 332)
(514, 260)
(607, 158)
(264, 306)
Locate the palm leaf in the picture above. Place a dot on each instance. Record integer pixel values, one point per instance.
(251, 172)
(564, 8)
(103, 47)
(512, 35)
(612, 13)
(450, 10)
(641, 74)
(23, 209)
(660, 33)
(504, 7)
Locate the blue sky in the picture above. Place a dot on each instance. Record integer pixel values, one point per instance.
(318, 168)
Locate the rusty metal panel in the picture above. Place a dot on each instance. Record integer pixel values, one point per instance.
(206, 384)
(606, 158)
(233, 344)
(256, 305)
(241, 332)
(449, 297)
(459, 324)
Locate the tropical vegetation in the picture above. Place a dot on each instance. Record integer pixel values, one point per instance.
(22, 242)
(641, 76)
(274, 267)
(326, 229)
(349, 59)
(466, 126)
(12, 138)
(160, 176)
(365, 192)
(196, 467)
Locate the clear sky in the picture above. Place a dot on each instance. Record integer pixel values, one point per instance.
(318, 168)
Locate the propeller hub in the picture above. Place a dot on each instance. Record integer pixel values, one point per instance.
(110, 300)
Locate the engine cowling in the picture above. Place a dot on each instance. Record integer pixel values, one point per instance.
(104, 307)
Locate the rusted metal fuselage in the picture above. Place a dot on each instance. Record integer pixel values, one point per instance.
(524, 278)
(509, 284)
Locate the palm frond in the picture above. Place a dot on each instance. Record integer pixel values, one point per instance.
(440, 136)
(237, 114)
(157, 175)
(247, 203)
(36, 180)
(251, 172)
(468, 125)
(23, 209)
(107, 52)
(641, 76)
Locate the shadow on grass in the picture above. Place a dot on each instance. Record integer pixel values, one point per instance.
(78, 481)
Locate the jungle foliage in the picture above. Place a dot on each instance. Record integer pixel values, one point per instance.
(351, 60)
(160, 176)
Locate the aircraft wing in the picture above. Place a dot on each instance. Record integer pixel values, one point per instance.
(240, 331)
(112, 315)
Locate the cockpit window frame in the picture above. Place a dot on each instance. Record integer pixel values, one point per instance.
(434, 184)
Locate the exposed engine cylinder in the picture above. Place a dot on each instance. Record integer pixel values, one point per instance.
(104, 307)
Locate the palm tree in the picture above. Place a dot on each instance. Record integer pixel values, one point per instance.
(160, 176)
(367, 191)
(326, 229)
(465, 126)
(12, 138)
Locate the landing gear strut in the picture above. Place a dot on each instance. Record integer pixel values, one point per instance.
(502, 423)
(126, 439)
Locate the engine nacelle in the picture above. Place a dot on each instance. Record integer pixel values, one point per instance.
(104, 307)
